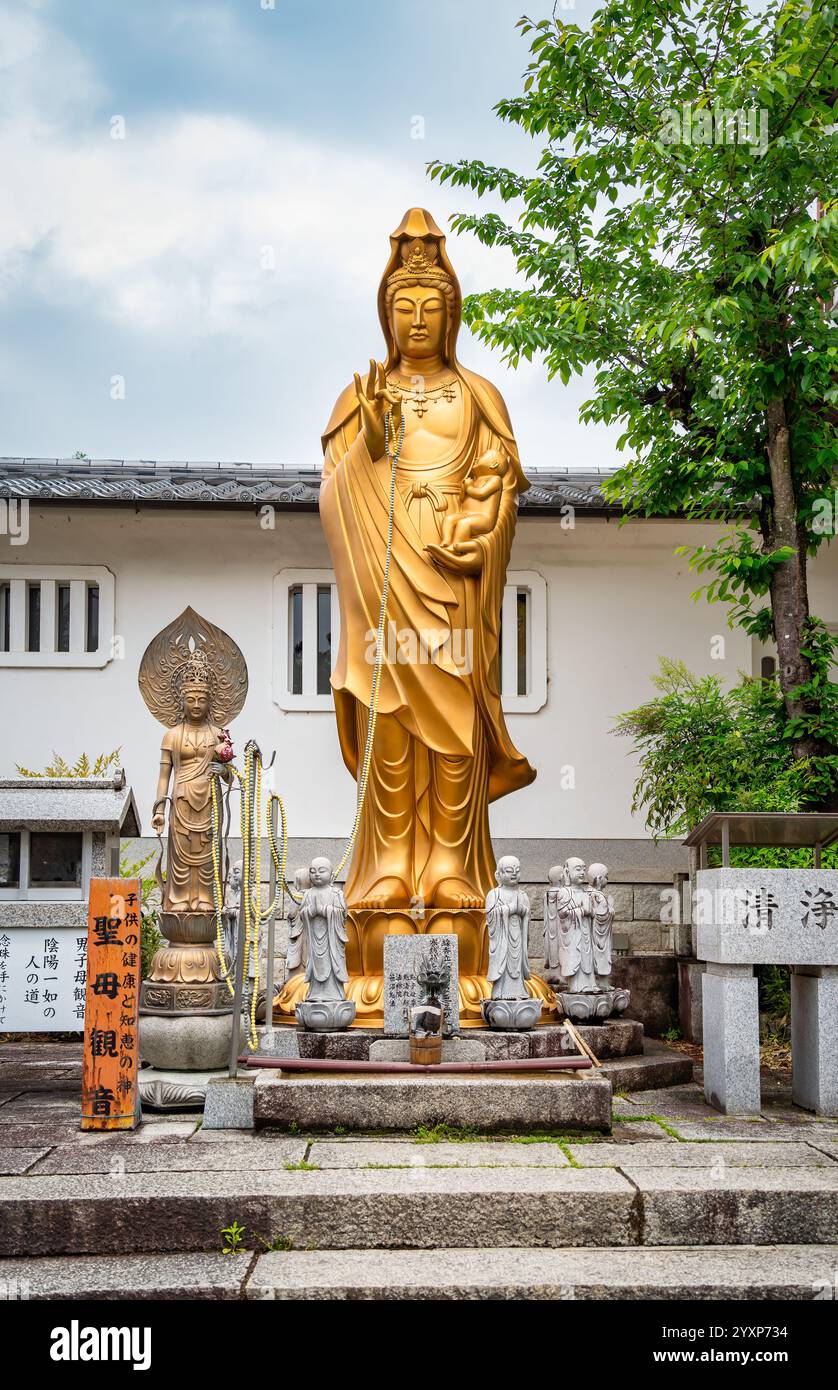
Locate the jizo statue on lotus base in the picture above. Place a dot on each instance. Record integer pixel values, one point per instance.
(578, 940)
(193, 679)
(423, 859)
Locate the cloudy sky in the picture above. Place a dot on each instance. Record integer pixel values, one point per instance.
(223, 256)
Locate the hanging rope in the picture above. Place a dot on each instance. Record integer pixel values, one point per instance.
(250, 782)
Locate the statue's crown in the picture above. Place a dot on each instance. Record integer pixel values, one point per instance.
(419, 260)
(195, 673)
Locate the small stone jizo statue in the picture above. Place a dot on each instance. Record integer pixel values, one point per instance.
(320, 917)
(578, 920)
(508, 922)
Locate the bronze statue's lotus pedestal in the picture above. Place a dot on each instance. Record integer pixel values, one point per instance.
(194, 680)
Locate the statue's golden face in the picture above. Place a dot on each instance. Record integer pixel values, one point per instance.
(196, 703)
(418, 321)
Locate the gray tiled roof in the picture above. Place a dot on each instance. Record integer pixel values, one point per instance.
(237, 484)
(68, 803)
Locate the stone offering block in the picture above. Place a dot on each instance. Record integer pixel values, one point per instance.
(403, 956)
(766, 916)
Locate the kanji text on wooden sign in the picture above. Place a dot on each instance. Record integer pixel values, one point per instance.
(110, 1081)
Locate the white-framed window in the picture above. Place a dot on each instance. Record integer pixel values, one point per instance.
(523, 659)
(54, 615)
(45, 865)
(307, 628)
(306, 632)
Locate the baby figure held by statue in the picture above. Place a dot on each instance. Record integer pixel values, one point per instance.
(480, 507)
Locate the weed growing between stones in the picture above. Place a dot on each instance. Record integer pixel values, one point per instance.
(279, 1243)
(233, 1238)
(302, 1167)
(444, 1133)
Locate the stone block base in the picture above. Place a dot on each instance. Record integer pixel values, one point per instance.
(490, 1103)
(731, 1039)
(814, 1038)
(229, 1102)
(612, 1038)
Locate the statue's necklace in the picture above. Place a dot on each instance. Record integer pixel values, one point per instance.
(446, 391)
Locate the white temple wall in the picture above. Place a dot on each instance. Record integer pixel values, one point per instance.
(617, 600)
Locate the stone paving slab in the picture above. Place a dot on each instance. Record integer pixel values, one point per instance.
(143, 1213)
(174, 1158)
(686, 1101)
(29, 1106)
(675, 1155)
(14, 1161)
(693, 1273)
(828, 1147)
(214, 1276)
(641, 1131)
(744, 1206)
(26, 1135)
(394, 1153)
(757, 1131)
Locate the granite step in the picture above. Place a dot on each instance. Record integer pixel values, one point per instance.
(489, 1102)
(634, 1204)
(693, 1273)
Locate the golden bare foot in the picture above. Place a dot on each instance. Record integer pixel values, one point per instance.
(454, 893)
(386, 892)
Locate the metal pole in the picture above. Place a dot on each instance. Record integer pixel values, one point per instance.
(235, 1036)
(241, 931)
(273, 895)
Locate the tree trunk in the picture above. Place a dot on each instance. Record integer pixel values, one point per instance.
(789, 587)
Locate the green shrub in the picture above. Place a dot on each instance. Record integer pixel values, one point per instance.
(704, 747)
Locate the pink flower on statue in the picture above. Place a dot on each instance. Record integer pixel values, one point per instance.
(224, 750)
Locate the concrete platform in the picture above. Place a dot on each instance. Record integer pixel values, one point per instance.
(489, 1103)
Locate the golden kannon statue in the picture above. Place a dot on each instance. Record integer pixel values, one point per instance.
(194, 679)
(423, 858)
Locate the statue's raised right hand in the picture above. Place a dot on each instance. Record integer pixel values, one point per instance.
(375, 399)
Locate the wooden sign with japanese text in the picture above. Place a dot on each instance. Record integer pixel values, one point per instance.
(110, 1077)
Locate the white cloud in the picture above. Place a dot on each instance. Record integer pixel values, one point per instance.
(163, 234)
(166, 229)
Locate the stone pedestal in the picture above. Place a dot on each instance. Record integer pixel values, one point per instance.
(814, 1038)
(601, 1004)
(181, 1053)
(731, 1039)
(192, 1042)
(174, 1090)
